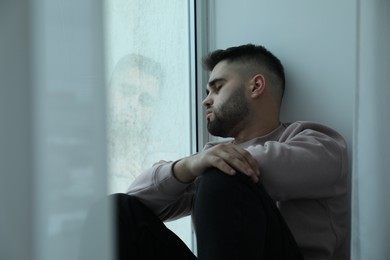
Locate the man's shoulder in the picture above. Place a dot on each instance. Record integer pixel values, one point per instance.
(308, 125)
(311, 128)
(305, 124)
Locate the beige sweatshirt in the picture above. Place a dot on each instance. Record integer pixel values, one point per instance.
(304, 168)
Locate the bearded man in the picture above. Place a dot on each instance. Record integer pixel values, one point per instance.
(275, 191)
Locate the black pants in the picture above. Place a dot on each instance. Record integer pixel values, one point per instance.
(234, 219)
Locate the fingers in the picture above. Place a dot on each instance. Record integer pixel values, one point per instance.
(221, 164)
(249, 164)
(230, 158)
(246, 165)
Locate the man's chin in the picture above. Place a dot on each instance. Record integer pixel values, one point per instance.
(215, 132)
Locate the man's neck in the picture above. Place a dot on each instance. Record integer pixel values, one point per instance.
(249, 134)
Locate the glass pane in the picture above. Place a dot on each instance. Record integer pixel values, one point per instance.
(66, 95)
(147, 65)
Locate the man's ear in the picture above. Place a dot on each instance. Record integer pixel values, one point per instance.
(258, 85)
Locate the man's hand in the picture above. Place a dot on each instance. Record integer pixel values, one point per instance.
(227, 157)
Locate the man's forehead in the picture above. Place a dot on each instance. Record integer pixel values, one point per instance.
(221, 70)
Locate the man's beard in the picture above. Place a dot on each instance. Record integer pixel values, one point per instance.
(229, 114)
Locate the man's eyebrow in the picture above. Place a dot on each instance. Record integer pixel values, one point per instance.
(214, 81)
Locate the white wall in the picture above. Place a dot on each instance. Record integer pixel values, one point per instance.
(337, 64)
(316, 42)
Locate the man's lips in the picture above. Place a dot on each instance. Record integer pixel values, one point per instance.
(208, 113)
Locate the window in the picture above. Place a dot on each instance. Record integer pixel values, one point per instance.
(148, 89)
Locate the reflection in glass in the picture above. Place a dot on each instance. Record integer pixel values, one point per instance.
(148, 89)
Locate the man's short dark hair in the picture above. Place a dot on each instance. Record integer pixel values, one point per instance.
(248, 53)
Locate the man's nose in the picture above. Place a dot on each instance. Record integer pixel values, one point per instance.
(208, 101)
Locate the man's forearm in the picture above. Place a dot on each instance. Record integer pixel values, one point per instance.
(182, 172)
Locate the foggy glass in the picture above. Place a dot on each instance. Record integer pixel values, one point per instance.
(148, 89)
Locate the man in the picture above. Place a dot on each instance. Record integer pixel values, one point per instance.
(231, 188)
(133, 91)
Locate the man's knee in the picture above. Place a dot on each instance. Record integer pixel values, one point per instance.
(120, 199)
(129, 209)
(219, 191)
(214, 180)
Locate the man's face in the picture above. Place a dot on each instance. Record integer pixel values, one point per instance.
(226, 104)
(134, 97)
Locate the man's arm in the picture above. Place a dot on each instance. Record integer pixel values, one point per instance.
(308, 162)
(168, 187)
(162, 193)
(227, 157)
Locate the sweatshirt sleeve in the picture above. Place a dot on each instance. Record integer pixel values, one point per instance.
(162, 193)
(309, 161)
